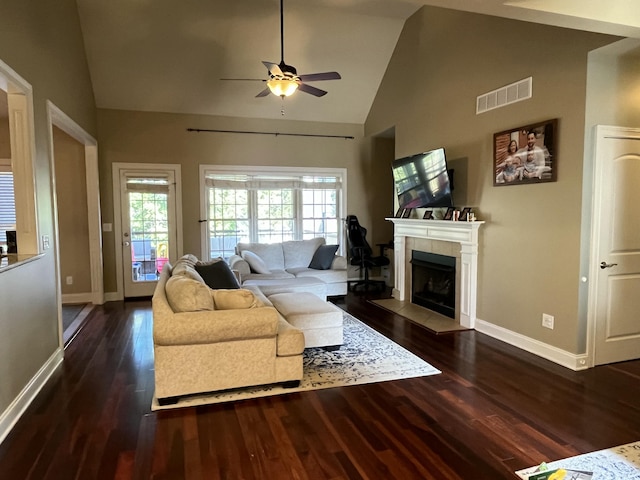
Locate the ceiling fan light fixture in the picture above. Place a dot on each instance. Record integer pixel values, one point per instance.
(282, 87)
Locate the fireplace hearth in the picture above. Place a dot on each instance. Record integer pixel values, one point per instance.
(433, 282)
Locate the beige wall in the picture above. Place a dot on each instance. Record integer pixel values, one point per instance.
(530, 245)
(73, 224)
(42, 42)
(138, 137)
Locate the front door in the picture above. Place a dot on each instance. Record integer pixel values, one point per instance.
(148, 227)
(616, 241)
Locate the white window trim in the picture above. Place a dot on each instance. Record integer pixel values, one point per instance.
(263, 170)
(21, 121)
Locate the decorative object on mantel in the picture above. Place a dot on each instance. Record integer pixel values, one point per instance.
(406, 213)
(465, 215)
(525, 154)
(428, 215)
(449, 214)
(399, 212)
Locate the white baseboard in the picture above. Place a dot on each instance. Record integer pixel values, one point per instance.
(69, 298)
(14, 411)
(549, 352)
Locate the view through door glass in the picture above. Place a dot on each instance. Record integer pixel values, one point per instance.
(148, 232)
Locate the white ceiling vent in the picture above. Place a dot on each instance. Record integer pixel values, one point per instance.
(505, 95)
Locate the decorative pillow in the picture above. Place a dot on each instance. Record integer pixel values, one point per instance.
(217, 274)
(234, 299)
(187, 295)
(323, 258)
(255, 262)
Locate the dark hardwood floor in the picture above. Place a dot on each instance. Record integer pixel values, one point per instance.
(493, 410)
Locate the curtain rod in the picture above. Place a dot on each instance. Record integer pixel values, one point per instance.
(198, 130)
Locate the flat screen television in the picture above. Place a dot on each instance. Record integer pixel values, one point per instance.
(422, 180)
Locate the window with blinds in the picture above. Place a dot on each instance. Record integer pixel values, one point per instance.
(270, 208)
(7, 205)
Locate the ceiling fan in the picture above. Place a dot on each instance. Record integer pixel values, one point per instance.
(284, 79)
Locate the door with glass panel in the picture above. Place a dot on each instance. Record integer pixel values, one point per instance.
(148, 211)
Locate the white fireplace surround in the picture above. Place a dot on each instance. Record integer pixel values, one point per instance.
(462, 240)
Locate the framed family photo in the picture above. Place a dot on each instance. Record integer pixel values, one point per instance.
(526, 154)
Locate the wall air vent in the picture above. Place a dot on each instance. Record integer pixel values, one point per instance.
(507, 95)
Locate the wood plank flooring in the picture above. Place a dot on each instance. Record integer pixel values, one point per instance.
(494, 409)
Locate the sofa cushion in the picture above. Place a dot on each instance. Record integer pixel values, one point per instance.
(185, 294)
(323, 258)
(186, 266)
(234, 299)
(298, 253)
(217, 274)
(270, 253)
(256, 263)
(327, 276)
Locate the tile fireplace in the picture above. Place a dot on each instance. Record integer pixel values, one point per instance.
(456, 240)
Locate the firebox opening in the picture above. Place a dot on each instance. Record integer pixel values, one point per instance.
(433, 282)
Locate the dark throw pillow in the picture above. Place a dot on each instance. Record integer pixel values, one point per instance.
(217, 274)
(323, 258)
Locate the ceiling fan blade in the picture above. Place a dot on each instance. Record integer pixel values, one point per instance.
(312, 90)
(263, 93)
(274, 68)
(316, 77)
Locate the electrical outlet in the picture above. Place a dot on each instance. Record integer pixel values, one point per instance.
(547, 321)
(69, 280)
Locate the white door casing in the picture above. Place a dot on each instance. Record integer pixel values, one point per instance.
(614, 294)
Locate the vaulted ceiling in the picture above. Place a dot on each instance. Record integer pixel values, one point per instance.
(170, 56)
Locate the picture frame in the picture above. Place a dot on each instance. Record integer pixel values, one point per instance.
(449, 214)
(406, 213)
(399, 212)
(526, 155)
(428, 215)
(464, 214)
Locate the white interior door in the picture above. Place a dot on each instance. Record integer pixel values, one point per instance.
(148, 227)
(616, 241)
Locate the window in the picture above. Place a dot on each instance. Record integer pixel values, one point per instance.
(274, 205)
(7, 204)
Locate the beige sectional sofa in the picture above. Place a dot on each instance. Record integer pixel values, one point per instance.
(208, 340)
(280, 264)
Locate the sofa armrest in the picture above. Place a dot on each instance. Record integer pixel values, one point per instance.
(214, 326)
(240, 265)
(339, 263)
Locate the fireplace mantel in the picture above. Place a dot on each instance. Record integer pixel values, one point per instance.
(464, 234)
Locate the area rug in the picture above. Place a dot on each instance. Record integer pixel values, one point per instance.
(365, 357)
(617, 463)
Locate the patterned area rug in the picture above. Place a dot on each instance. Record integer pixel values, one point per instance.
(366, 357)
(617, 463)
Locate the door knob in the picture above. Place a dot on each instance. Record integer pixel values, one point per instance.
(604, 265)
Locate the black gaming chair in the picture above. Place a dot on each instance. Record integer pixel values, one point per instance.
(362, 255)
